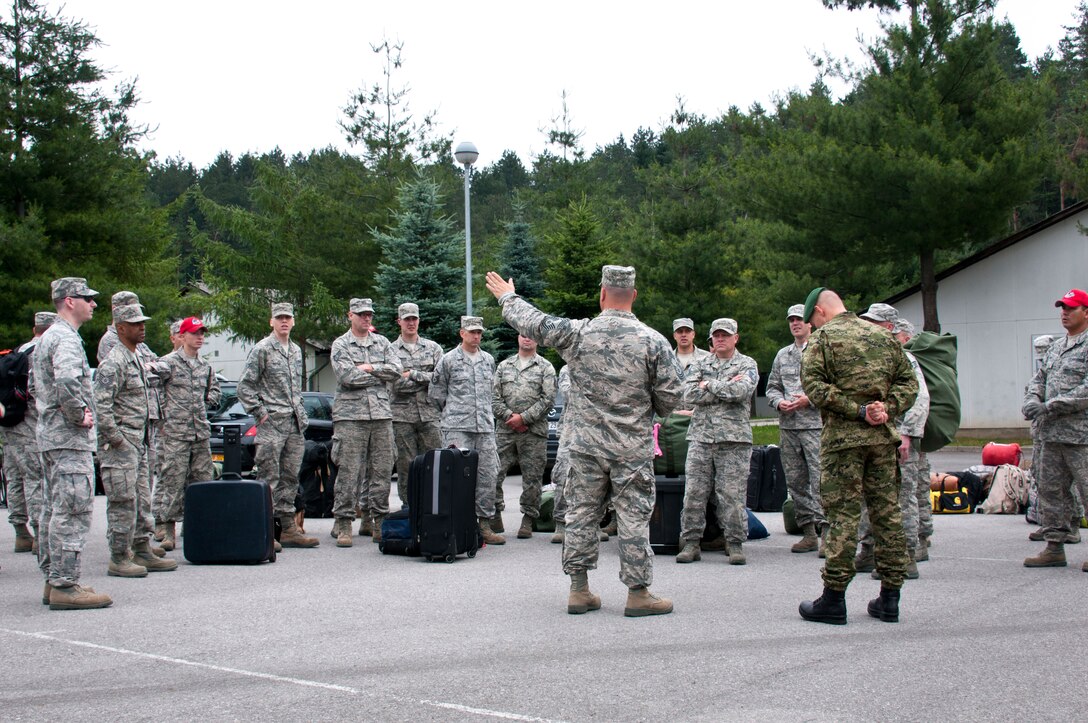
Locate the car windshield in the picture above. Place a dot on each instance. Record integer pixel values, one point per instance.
(228, 402)
(234, 411)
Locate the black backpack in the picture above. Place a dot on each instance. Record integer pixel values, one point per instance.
(14, 382)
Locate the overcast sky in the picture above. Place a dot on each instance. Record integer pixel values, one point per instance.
(242, 75)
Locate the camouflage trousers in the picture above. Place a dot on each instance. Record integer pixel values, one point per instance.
(721, 469)
(23, 473)
(279, 455)
(530, 451)
(560, 472)
(484, 444)
(908, 500)
(68, 502)
(1063, 470)
(849, 477)
(362, 450)
(590, 480)
(128, 504)
(921, 491)
(183, 461)
(801, 465)
(412, 439)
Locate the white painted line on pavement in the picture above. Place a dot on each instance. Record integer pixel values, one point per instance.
(278, 678)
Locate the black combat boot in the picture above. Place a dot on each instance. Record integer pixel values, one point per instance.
(828, 608)
(885, 607)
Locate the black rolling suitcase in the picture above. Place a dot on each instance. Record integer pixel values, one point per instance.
(229, 521)
(442, 501)
(766, 480)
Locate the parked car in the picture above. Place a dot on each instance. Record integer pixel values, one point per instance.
(553, 434)
(318, 408)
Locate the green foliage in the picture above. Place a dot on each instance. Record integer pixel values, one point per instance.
(519, 260)
(576, 253)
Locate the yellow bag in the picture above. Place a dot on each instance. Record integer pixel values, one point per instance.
(951, 502)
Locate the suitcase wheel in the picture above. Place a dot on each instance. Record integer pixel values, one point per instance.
(381, 547)
(449, 558)
(471, 553)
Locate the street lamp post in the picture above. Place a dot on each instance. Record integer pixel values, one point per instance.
(467, 154)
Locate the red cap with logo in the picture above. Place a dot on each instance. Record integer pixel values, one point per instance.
(192, 324)
(1075, 297)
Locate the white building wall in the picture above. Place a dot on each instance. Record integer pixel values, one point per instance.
(996, 307)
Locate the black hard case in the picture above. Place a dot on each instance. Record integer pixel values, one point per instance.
(442, 500)
(229, 521)
(766, 480)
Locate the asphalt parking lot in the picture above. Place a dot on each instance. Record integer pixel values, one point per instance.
(349, 634)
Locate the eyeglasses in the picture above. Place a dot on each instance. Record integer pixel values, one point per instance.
(88, 299)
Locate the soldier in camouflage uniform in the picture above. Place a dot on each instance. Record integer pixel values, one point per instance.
(22, 460)
(362, 445)
(524, 392)
(622, 373)
(461, 388)
(189, 390)
(799, 426)
(270, 391)
(66, 419)
(719, 389)
(1058, 399)
(687, 353)
(904, 331)
(415, 420)
(121, 397)
(860, 379)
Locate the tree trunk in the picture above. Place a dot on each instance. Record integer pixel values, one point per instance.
(929, 292)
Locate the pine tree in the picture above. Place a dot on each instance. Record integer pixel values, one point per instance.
(577, 251)
(518, 260)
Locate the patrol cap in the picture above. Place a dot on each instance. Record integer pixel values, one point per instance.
(283, 309)
(44, 318)
(70, 286)
(904, 326)
(472, 323)
(618, 277)
(175, 327)
(190, 325)
(797, 310)
(1073, 297)
(408, 310)
(129, 314)
(683, 324)
(729, 326)
(881, 312)
(124, 298)
(810, 302)
(1042, 342)
(359, 306)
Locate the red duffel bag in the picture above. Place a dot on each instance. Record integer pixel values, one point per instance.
(995, 454)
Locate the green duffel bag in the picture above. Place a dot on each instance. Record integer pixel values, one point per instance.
(545, 521)
(936, 355)
(672, 438)
(789, 517)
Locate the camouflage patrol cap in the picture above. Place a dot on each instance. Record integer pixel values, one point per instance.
(904, 326)
(618, 277)
(797, 310)
(175, 327)
(44, 318)
(129, 314)
(124, 298)
(729, 326)
(683, 324)
(881, 312)
(810, 302)
(408, 310)
(472, 323)
(70, 286)
(283, 309)
(359, 306)
(1042, 342)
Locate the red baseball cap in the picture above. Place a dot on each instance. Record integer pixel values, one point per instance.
(193, 324)
(1075, 297)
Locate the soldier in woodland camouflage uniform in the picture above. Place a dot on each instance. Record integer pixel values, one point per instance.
(362, 445)
(461, 388)
(719, 388)
(1058, 399)
(799, 425)
(524, 392)
(270, 391)
(622, 372)
(860, 379)
(415, 420)
(22, 460)
(189, 390)
(66, 419)
(121, 397)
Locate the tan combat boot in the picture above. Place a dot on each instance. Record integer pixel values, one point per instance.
(496, 522)
(641, 602)
(611, 528)
(736, 553)
(121, 565)
(490, 538)
(1052, 556)
(376, 528)
(46, 592)
(866, 559)
(169, 539)
(341, 530)
(810, 542)
(77, 597)
(602, 535)
(690, 553)
(559, 535)
(292, 537)
(24, 541)
(581, 600)
(364, 526)
(160, 531)
(526, 529)
(921, 553)
(144, 554)
(715, 545)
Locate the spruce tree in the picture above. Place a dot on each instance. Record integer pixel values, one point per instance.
(518, 260)
(577, 251)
